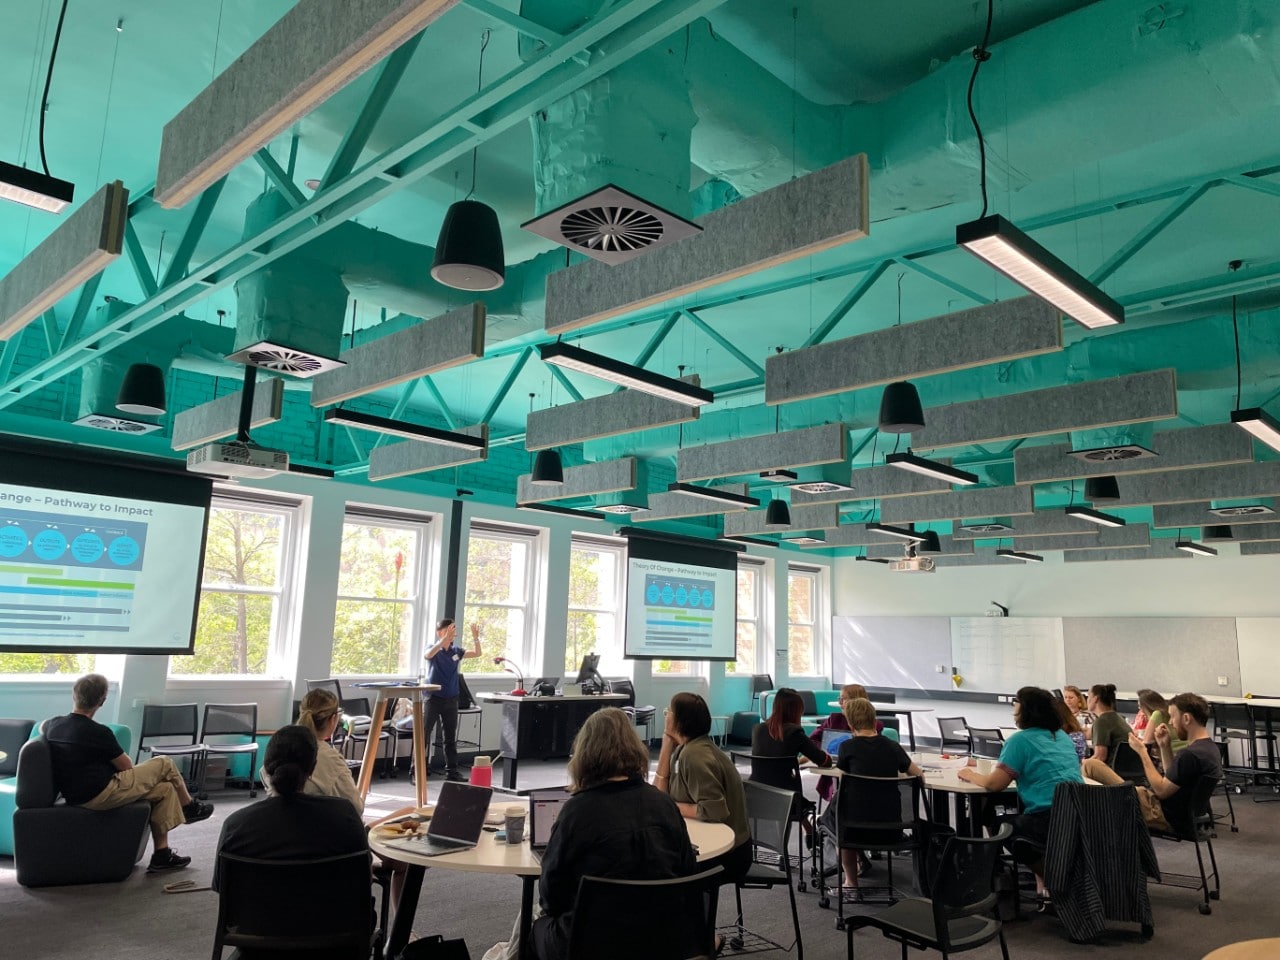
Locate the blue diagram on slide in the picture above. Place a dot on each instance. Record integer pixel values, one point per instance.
(678, 611)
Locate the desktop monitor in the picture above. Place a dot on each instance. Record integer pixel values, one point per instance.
(589, 672)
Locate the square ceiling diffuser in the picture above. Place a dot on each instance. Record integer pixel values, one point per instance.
(107, 421)
(1114, 454)
(611, 225)
(279, 358)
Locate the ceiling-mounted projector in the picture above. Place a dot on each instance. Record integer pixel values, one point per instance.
(235, 458)
(912, 565)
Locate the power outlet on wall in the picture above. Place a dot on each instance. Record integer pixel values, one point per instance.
(940, 668)
(1222, 681)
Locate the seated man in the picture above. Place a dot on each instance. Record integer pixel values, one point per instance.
(1188, 715)
(90, 770)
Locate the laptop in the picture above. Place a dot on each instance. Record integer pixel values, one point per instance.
(831, 740)
(456, 822)
(544, 807)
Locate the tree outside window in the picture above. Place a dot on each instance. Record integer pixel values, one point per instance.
(377, 616)
(498, 592)
(803, 625)
(595, 598)
(750, 617)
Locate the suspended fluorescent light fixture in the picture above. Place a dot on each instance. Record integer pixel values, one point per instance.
(548, 469)
(900, 410)
(862, 559)
(807, 541)
(402, 428)
(563, 511)
(1095, 516)
(735, 500)
(778, 516)
(779, 476)
(1101, 489)
(325, 473)
(1259, 423)
(902, 533)
(1028, 264)
(623, 374)
(753, 541)
(34, 189)
(1198, 549)
(1020, 555)
(931, 468)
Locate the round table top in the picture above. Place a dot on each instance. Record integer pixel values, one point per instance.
(888, 707)
(1247, 950)
(491, 855)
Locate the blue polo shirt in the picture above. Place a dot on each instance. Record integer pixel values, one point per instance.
(1039, 760)
(443, 669)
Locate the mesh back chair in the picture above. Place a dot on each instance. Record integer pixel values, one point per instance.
(1127, 764)
(269, 906)
(986, 742)
(761, 683)
(784, 774)
(955, 916)
(953, 732)
(358, 723)
(640, 716)
(232, 720)
(1195, 828)
(171, 721)
(880, 815)
(467, 707)
(1233, 722)
(619, 915)
(770, 813)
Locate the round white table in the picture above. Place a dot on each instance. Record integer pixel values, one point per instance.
(491, 855)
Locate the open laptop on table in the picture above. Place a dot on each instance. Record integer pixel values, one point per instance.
(544, 807)
(456, 822)
(831, 740)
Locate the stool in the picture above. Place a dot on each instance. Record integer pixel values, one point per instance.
(723, 735)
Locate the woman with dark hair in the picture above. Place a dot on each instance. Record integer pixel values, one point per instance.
(292, 824)
(1071, 727)
(1109, 728)
(1152, 711)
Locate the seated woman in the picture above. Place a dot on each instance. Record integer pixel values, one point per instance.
(868, 753)
(702, 780)
(1071, 727)
(1152, 711)
(1078, 703)
(1109, 728)
(319, 712)
(292, 824)
(615, 825)
(782, 736)
(837, 721)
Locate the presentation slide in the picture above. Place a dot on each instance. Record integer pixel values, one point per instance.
(680, 611)
(81, 571)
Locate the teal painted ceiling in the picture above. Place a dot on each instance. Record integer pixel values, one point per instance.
(1137, 140)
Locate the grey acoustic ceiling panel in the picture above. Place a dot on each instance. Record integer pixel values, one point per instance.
(412, 456)
(1259, 549)
(587, 480)
(792, 220)
(981, 557)
(607, 415)
(1043, 523)
(1162, 549)
(1255, 533)
(771, 451)
(853, 535)
(877, 483)
(822, 516)
(1126, 537)
(674, 505)
(309, 54)
(1007, 330)
(81, 246)
(445, 341)
(1218, 443)
(221, 418)
(983, 502)
(950, 548)
(1081, 406)
(1173, 515)
(1231, 482)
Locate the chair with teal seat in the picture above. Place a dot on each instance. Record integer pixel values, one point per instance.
(13, 734)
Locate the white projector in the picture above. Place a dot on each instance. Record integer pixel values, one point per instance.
(912, 565)
(235, 459)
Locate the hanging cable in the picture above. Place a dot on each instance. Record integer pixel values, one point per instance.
(980, 56)
(48, 79)
(900, 276)
(484, 43)
(1233, 266)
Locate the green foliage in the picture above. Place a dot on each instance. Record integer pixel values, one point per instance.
(496, 574)
(373, 626)
(50, 663)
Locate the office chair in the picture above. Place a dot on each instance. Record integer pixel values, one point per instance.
(1196, 828)
(770, 813)
(620, 915)
(231, 720)
(986, 742)
(640, 716)
(760, 683)
(953, 732)
(173, 720)
(783, 773)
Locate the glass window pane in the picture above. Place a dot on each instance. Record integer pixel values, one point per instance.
(800, 598)
(50, 663)
(377, 561)
(496, 570)
(594, 624)
(372, 637)
(501, 635)
(746, 592)
(800, 653)
(589, 632)
(242, 547)
(673, 667)
(233, 634)
(746, 662)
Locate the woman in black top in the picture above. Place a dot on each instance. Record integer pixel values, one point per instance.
(782, 736)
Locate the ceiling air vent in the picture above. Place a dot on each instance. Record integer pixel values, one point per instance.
(619, 508)
(103, 421)
(987, 527)
(272, 356)
(1248, 510)
(820, 486)
(1124, 451)
(611, 225)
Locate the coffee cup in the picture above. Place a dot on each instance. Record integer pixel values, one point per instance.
(985, 766)
(514, 823)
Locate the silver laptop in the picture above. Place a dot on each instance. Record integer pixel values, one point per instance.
(456, 822)
(831, 740)
(544, 807)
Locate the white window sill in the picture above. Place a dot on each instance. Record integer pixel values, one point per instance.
(225, 680)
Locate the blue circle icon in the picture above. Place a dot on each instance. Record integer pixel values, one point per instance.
(13, 540)
(708, 599)
(682, 597)
(651, 593)
(87, 547)
(123, 551)
(49, 544)
(668, 594)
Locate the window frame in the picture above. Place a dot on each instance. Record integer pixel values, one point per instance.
(758, 568)
(618, 549)
(535, 540)
(820, 578)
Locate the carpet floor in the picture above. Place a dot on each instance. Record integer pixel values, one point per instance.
(136, 920)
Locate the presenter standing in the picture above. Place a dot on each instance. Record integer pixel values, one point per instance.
(444, 660)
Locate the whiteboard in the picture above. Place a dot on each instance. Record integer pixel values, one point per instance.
(1001, 654)
(1259, 639)
(892, 652)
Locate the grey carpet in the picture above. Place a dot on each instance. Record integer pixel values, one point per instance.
(136, 920)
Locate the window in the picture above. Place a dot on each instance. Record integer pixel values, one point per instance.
(595, 600)
(246, 556)
(501, 564)
(378, 617)
(805, 633)
(750, 618)
(70, 664)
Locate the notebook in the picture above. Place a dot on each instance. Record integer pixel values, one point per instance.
(456, 822)
(544, 807)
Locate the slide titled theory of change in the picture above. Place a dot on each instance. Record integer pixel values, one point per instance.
(679, 606)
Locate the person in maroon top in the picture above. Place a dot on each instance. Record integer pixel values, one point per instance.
(836, 721)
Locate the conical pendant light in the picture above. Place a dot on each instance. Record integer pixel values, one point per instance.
(142, 390)
(930, 543)
(547, 468)
(778, 515)
(1101, 489)
(900, 410)
(469, 252)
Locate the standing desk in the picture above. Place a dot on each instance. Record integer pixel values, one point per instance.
(540, 728)
(388, 692)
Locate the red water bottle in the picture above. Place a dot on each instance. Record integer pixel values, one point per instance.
(482, 772)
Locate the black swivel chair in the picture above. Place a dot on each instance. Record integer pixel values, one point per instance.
(761, 683)
(1127, 764)
(784, 774)
(985, 742)
(953, 732)
(770, 813)
(1197, 829)
(640, 716)
(618, 918)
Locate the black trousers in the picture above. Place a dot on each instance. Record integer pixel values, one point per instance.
(444, 710)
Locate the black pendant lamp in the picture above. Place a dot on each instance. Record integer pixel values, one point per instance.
(1101, 489)
(778, 515)
(547, 468)
(469, 251)
(930, 543)
(900, 410)
(1216, 533)
(142, 390)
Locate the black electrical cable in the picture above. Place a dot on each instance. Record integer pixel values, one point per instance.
(48, 79)
(484, 45)
(980, 56)
(1235, 329)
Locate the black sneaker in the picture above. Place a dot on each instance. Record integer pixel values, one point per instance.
(197, 810)
(164, 860)
(455, 776)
